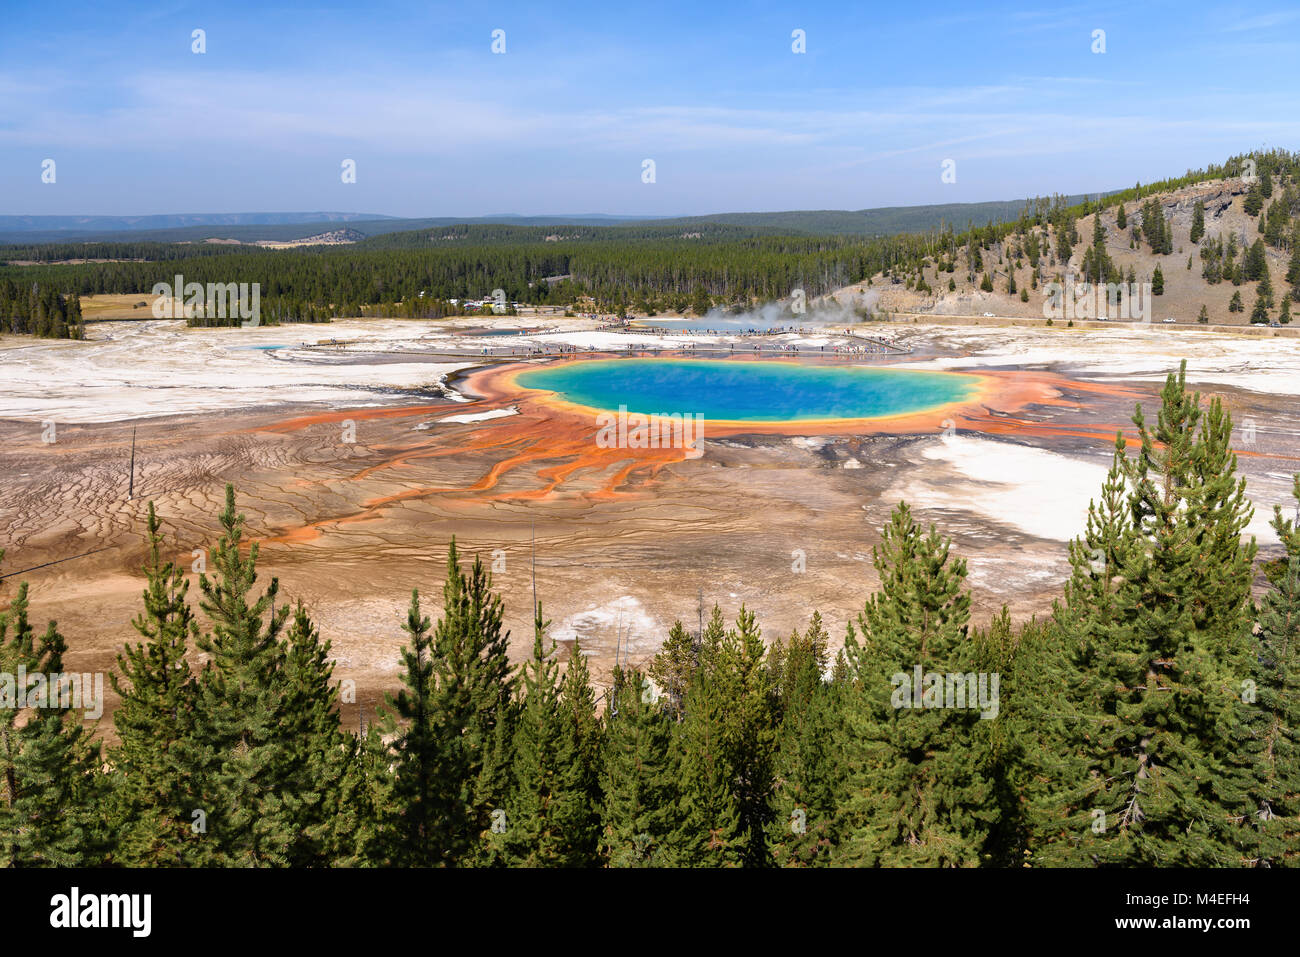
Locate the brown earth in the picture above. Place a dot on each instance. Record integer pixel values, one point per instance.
(1185, 290)
(350, 528)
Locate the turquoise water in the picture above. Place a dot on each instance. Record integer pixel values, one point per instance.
(748, 391)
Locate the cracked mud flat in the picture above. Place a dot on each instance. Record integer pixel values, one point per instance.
(626, 541)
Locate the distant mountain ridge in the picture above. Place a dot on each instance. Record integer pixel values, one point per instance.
(288, 227)
(171, 221)
(878, 221)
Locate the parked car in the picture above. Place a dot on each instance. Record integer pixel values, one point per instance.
(1171, 319)
(988, 315)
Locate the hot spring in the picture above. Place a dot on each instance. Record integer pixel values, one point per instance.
(749, 390)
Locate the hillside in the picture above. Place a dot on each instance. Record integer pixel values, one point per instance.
(334, 237)
(1191, 271)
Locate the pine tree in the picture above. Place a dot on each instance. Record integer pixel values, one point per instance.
(1121, 218)
(454, 752)
(498, 773)
(490, 681)
(578, 798)
(640, 813)
(364, 800)
(1096, 559)
(1271, 736)
(51, 800)
(796, 669)
(536, 809)
(1269, 706)
(745, 683)
(701, 302)
(471, 696)
(1097, 262)
(1288, 532)
(1018, 750)
(810, 781)
(1198, 221)
(1265, 290)
(149, 786)
(710, 642)
(726, 748)
(1156, 684)
(1254, 200)
(416, 833)
(238, 751)
(1157, 282)
(57, 816)
(1293, 269)
(1153, 225)
(918, 796)
(1065, 236)
(710, 833)
(1256, 262)
(1073, 641)
(674, 666)
(321, 751)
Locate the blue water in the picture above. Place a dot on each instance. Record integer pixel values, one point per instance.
(749, 391)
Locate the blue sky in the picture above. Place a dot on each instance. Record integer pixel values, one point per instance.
(439, 125)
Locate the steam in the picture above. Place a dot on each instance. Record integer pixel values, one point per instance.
(842, 309)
